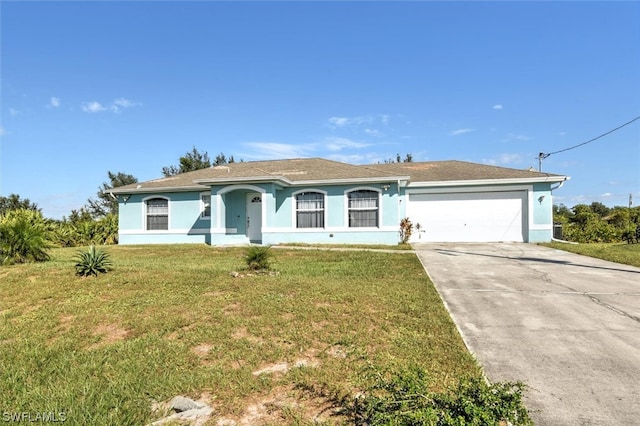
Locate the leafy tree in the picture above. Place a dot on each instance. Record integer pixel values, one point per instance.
(222, 159)
(105, 203)
(600, 209)
(196, 160)
(13, 202)
(408, 158)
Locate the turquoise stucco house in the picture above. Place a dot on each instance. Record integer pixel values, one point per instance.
(314, 200)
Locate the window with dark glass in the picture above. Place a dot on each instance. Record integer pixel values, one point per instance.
(157, 214)
(310, 210)
(363, 209)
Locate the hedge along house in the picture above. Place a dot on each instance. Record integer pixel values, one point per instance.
(316, 200)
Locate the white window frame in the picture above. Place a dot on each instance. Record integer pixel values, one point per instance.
(347, 209)
(145, 214)
(294, 208)
(203, 205)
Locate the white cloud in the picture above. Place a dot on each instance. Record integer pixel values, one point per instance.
(516, 137)
(54, 102)
(460, 132)
(341, 122)
(606, 194)
(498, 106)
(116, 106)
(276, 150)
(373, 132)
(93, 107)
(13, 112)
(504, 160)
(338, 144)
(124, 103)
(2, 131)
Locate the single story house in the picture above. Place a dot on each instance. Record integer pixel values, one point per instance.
(315, 200)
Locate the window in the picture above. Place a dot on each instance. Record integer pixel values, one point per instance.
(206, 205)
(310, 210)
(157, 214)
(363, 209)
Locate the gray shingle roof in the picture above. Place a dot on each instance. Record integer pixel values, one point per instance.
(436, 171)
(300, 171)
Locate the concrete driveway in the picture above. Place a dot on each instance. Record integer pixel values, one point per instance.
(566, 325)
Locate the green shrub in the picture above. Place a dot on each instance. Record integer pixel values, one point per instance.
(92, 262)
(24, 237)
(258, 258)
(404, 398)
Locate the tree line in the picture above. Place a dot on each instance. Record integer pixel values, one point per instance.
(26, 235)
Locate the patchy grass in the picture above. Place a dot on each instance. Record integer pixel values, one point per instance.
(628, 254)
(170, 320)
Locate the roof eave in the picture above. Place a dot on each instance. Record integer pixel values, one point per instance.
(478, 182)
(143, 190)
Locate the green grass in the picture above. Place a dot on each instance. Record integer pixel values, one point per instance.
(170, 320)
(398, 246)
(628, 254)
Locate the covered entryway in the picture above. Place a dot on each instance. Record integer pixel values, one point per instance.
(469, 216)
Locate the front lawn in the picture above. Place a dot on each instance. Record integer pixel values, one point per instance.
(172, 320)
(628, 254)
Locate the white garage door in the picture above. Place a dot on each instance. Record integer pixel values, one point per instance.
(468, 217)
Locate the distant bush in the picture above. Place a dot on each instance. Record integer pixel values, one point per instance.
(92, 262)
(404, 398)
(82, 230)
(24, 237)
(596, 223)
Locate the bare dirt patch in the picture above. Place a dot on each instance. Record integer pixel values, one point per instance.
(283, 405)
(202, 350)
(109, 333)
(242, 333)
(231, 309)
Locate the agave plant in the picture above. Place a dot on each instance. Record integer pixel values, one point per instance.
(92, 262)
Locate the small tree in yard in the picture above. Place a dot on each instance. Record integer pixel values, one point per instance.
(406, 229)
(258, 258)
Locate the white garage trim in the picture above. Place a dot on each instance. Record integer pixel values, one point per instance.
(471, 214)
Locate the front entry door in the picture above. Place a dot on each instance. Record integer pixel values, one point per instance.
(254, 217)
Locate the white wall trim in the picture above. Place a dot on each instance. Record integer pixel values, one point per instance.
(294, 209)
(144, 212)
(184, 231)
(340, 229)
(345, 205)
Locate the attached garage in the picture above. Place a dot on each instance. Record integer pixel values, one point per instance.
(498, 216)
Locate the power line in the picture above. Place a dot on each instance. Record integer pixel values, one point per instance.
(542, 155)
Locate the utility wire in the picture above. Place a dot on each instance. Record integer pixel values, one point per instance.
(594, 139)
(543, 155)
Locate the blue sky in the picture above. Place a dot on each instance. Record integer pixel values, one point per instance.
(91, 87)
